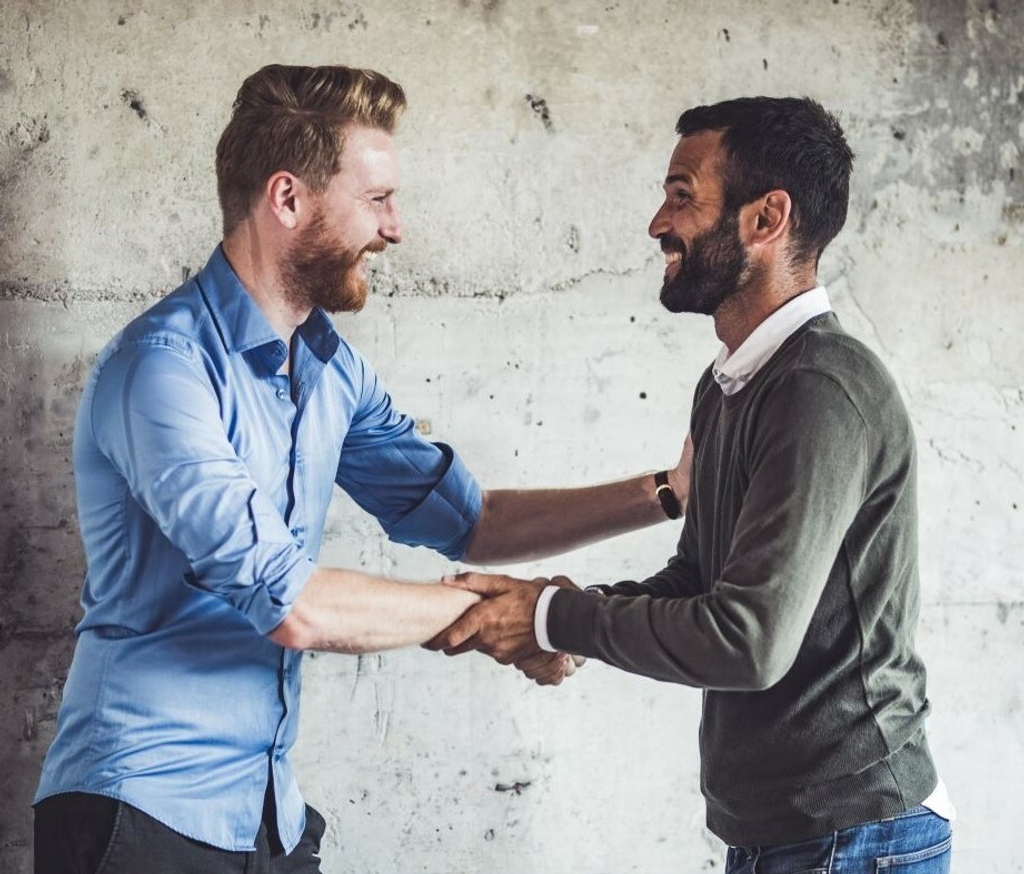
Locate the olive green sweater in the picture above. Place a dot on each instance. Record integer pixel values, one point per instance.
(792, 598)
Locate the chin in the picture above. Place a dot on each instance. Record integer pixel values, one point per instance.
(349, 297)
(674, 299)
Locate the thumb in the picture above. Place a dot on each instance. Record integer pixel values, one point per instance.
(563, 582)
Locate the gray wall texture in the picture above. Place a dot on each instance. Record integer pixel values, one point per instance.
(520, 321)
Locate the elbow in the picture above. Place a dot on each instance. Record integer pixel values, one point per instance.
(300, 632)
(762, 669)
(760, 681)
(296, 632)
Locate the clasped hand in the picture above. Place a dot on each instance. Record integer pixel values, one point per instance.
(501, 626)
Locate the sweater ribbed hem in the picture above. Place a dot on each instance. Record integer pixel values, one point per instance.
(884, 789)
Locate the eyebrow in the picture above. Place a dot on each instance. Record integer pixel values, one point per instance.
(679, 177)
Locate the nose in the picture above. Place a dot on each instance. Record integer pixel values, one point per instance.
(391, 224)
(659, 224)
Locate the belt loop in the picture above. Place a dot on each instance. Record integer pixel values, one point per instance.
(832, 855)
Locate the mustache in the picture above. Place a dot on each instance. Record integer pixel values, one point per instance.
(376, 246)
(671, 244)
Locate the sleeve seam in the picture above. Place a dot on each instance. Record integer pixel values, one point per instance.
(185, 350)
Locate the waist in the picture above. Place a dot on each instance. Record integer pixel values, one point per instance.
(161, 708)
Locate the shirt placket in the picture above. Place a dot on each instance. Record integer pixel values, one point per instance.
(301, 383)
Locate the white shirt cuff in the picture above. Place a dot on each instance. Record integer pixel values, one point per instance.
(540, 618)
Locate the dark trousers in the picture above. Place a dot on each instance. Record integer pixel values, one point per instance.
(79, 833)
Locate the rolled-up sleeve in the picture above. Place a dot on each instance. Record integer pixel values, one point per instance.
(156, 418)
(421, 492)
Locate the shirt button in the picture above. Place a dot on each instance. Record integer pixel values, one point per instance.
(282, 393)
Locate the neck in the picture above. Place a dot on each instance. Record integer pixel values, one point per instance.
(741, 313)
(258, 267)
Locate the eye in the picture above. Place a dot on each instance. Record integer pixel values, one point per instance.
(680, 195)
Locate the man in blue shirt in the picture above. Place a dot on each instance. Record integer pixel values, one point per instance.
(210, 436)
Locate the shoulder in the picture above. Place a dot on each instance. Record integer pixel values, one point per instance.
(177, 321)
(176, 331)
(825, 353)
(827, 381)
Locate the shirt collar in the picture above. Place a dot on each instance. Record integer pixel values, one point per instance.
(733, 372)
(241, 323)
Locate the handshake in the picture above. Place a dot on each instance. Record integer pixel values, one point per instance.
(502, 626)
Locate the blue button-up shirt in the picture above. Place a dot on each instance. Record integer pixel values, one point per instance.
(204, 477)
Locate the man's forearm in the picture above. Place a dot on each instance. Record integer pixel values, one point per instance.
(346, 611)
(521, 525)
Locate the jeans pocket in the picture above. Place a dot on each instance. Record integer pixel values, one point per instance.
(807, 857)
(112, 841)
(931, 860)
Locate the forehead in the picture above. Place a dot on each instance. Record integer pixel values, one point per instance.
(697, 158)
(368, 158)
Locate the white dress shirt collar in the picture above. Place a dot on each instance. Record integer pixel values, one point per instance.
(733, 372)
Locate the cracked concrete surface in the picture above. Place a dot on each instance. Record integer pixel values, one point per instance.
(519, 321)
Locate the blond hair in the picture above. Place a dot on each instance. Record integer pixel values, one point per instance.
(294, 118)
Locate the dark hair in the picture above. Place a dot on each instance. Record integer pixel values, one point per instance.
(788, 143)
(294, 118)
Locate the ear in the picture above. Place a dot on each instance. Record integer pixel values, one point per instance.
(285, 194)
(767, 219)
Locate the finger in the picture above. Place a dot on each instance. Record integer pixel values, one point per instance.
(487, 585)
(543, 665)
(549, 674)
(468, 645)
(553, 679)
(466, 626)
(570, 666)
(563, 582)
(509, 651)
(500, 656)
(578, 660)
(536, 661)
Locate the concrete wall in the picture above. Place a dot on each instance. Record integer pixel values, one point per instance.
(520, 321)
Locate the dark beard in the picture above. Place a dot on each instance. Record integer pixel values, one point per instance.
(713, 268)
(321, 272)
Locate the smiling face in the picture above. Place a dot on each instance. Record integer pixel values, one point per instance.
(705, 261)
(355, 218)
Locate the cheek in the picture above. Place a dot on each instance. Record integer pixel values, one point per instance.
(365, 230)
(682, 232)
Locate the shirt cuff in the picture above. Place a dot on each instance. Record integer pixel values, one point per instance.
(444, 520)
(540, 618)
(269, 605)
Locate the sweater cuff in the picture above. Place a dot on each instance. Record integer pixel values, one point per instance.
(571, 617)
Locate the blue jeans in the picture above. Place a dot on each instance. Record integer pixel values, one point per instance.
(915, 842)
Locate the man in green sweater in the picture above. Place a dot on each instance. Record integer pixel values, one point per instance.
(793, 596)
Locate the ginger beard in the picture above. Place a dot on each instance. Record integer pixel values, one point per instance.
(713, 268)
(322, 271)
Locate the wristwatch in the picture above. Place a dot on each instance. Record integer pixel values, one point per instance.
(669, 501)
